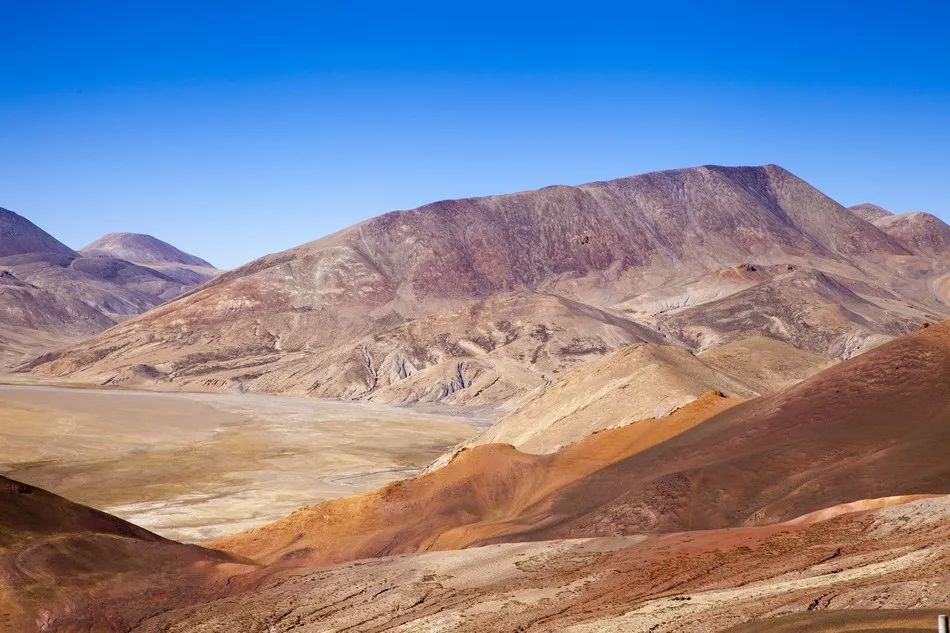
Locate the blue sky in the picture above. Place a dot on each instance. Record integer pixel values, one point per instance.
(234, 129)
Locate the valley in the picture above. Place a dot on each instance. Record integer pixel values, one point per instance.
(192, 467)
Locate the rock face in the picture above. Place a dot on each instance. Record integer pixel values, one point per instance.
(424, 304)
(52, 295)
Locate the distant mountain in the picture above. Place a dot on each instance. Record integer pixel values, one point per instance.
(153, 253)
(141, 249)
(870, 212)
(51, 295)
(407, 306)
(919, 232)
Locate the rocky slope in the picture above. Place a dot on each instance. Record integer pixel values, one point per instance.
(764, 364)
(876, 564)
(882, 567)
(644, 381)
(633, 383)
(342, 316)
(916, 231)
(67, 567)
(919, 232)
(52, 295)
(874, 426)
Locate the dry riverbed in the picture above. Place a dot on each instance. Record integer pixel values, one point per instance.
(198, 466)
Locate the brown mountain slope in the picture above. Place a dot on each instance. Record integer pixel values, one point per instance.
(765, 364)
(633, 383)
(919, 232)
(885, 569)
(869, 427)
(33, 317)
(282, 318)
(494, 349)
(484, 491)
(66, 567)
(874, 426)
(642, 381)
(883, 562)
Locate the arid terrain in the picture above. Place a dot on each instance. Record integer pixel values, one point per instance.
(198, 466)
(813, 506)
(704, 399)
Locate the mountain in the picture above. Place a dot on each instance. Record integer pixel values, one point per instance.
(919, 232)
(871, 427)
(54, 296)
(69, 567)
(19, 236)
(349, 315)
(141, 249)
(764, 364)
(633, 383)
(870, 212)
(916, 231)
(153, 253)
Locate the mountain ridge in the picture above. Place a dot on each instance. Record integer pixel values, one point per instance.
(277, 321)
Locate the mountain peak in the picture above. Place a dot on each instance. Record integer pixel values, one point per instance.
(140, 248)
(19, 236)
(869, 212)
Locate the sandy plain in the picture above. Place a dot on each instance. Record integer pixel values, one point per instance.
(197, 466)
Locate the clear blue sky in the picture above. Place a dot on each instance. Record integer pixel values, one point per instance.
(234, 129)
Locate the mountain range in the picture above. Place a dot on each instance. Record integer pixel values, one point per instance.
(718, 400)
(51, 295)
(485, 300)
